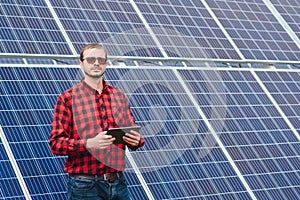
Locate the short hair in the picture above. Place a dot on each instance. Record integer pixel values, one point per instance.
(92, 46)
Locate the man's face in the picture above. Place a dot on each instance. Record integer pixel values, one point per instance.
(92, 67)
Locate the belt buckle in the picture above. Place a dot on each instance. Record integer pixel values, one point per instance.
(105, 177)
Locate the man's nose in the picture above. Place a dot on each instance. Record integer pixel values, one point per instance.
(96, 62)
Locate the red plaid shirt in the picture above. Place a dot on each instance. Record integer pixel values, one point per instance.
(81, 113)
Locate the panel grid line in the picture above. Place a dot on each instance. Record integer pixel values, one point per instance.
(59, 24)
(14, 164)
(139, 175)
(148, 28)
(216, 136)
(224, 30)
(282, 22)
(276, 105)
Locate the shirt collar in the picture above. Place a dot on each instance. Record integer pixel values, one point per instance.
(88, 88)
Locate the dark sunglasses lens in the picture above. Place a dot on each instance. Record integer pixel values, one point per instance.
(91, 60)
(101, 60)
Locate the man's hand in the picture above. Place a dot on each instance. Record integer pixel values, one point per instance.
(100, 141)
(132, 138)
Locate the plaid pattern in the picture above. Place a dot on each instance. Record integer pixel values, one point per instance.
(81, 113)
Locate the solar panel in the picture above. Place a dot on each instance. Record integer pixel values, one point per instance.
(211, 133)
(28, 27)
(255, 30)
(186, 29)
(284, 88)
(114, 24)
(27, 99)
(255, 134)
(177, 109)
(189, 29)
(289, 10)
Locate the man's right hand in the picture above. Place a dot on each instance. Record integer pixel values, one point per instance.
(100, 141)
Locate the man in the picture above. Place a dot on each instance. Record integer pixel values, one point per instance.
(82, 116)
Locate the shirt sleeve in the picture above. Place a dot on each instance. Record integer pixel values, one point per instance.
(62, 139)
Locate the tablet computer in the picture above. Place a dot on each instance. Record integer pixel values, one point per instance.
(118, 133)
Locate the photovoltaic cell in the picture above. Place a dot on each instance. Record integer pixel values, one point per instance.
(255, 30)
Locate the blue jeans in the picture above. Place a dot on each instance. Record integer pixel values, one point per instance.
(87, 189)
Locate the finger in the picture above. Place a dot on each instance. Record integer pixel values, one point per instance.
(132, 135)
(106, 143)
(134, 132)
(102, 133)
(130, 141)
(109, 139)
(127, 139)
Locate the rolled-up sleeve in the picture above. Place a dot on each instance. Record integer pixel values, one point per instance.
(62, 142)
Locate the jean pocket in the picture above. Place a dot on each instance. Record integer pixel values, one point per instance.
(121, 181)
(83, 185)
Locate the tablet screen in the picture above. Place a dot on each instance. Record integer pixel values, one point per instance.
(118, 133)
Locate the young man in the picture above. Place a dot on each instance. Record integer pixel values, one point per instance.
(82, 116)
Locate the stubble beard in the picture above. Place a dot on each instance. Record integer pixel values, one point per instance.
(94, 75)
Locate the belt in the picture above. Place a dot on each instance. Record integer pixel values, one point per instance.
(110, 177)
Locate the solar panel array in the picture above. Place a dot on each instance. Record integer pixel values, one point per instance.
(211, 133)
(188, 29)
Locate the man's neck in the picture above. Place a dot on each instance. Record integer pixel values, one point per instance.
(96, 83)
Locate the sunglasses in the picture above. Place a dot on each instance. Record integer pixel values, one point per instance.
(92, 60)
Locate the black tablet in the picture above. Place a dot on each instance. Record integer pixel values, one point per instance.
(118, 133)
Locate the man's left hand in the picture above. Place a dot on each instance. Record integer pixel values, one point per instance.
(132, 138)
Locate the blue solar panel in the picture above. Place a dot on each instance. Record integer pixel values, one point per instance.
(211, 133)
(27, 99)
(289, 10)
(112, 23)
(189, 29)
(255, 134)
(28, 27)
(186, 29)
(181, 153)
(284, 88)
(255, 30)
